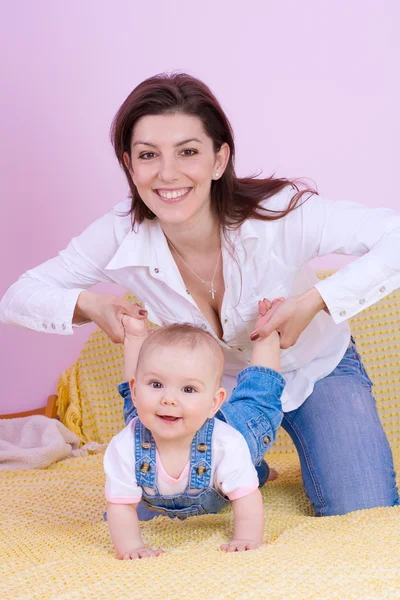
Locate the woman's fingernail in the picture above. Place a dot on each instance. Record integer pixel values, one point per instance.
(142, 312)
(254, 336)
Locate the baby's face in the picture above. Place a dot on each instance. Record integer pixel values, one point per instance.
(176, 390)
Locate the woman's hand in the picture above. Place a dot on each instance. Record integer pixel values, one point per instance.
(289, 317)
(107, 310)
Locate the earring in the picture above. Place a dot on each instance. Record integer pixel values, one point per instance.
(217, 175)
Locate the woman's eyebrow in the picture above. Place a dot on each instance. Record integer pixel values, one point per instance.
(138, 142)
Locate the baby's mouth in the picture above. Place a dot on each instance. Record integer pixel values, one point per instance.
(169, 418)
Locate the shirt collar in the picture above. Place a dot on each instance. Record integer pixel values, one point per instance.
(141, 248)
(147, 246)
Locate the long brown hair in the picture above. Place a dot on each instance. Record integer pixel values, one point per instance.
(233, 199)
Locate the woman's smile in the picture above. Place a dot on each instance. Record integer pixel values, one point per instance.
(172, 196)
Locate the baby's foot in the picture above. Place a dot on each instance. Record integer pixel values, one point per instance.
(135, 327)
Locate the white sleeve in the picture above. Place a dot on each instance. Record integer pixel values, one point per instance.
(119, 466)
(235, 475)
(320, 227)
(44, 298)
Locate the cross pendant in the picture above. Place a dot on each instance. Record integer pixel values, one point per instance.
(212, 291)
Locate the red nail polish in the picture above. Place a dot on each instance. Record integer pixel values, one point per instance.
(254, 336)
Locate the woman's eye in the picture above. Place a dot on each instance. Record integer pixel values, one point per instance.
(189, 152)
(155, 385)
(147, 155)
(189, 390)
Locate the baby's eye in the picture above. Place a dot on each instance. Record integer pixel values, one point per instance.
(146, 155)
(155, 385)
(189, 152)
(188, 389)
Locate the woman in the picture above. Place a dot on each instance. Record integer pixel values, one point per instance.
(196, 244)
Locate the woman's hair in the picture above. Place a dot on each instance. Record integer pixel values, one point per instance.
(233, 199)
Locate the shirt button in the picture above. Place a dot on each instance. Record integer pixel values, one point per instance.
(266, 440)
(362, 301)
(44, 325)
(156, 270)
(382, 289)
(225, 320)
(64, 326)
(204, 326)
(53, 326)
(342, 313)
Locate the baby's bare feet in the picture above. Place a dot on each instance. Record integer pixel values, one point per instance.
(273, 474)
(135, 327)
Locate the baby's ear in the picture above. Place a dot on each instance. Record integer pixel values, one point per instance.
(132, 388)
(219, 399)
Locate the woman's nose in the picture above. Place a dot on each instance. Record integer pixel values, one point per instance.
(168, 170)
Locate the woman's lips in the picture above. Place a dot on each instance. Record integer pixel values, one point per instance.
(173, 200)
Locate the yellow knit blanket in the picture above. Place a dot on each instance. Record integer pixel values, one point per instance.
(54, 543)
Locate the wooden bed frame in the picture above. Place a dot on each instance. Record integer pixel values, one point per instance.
(50, 410)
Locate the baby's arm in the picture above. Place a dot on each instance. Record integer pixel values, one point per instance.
(248, 513)
(136, 332)
(124, 527)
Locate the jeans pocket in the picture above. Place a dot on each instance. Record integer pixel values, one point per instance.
(351, 364)
(260, 429)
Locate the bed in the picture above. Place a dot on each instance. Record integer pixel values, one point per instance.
(55, 544)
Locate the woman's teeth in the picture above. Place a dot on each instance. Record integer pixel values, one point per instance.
(173, 194)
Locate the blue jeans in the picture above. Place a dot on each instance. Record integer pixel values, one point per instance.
(345, 457)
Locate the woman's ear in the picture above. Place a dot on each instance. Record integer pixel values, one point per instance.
(132, 388)
(219, 399)
(222, 157)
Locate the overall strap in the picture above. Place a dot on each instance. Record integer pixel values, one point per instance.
(145, 456)
(200, 457)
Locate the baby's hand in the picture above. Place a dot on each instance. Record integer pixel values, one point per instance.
(135, 327)
(143, 552)
(240, 546)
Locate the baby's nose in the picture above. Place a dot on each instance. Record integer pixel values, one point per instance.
(168, 398)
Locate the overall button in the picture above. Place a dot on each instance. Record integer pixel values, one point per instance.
(266, 440)
(201, 470)
(202, 447)
(145, 468)
(146, 445)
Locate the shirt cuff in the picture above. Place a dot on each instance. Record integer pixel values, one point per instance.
(242, 492)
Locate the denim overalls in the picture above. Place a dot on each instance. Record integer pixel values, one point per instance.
(205, 500)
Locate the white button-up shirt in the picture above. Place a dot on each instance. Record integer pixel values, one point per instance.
(260, 259)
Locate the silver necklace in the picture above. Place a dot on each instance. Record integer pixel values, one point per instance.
(210, 283)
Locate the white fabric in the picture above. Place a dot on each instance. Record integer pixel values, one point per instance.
(35, 442)
(270, 262)
(232, 472)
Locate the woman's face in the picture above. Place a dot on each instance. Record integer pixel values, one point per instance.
(172, 165)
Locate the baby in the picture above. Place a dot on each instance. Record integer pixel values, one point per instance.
(175, 458)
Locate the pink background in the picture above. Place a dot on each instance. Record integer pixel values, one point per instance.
(311, 88)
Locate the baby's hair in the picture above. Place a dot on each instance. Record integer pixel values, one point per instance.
(188, 336)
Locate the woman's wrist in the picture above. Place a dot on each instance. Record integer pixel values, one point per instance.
(313, 300)
(83, 306)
